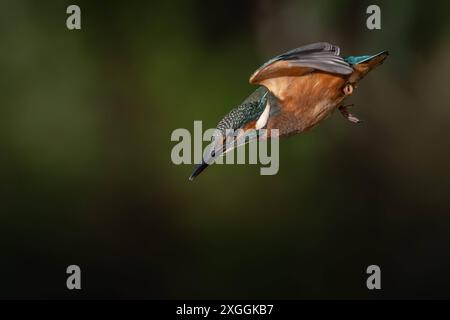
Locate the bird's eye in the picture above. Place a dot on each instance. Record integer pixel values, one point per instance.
(348, 89)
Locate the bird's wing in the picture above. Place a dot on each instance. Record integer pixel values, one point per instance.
(317, 56)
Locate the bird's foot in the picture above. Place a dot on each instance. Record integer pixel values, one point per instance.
(350, 117)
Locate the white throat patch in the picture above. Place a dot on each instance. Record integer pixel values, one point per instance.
(262, 121)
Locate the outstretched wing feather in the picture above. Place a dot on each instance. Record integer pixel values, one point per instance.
(317, 56)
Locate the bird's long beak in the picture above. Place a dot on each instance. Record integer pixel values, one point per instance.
(212, 155)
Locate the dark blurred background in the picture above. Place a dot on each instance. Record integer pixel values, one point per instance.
(87, 179)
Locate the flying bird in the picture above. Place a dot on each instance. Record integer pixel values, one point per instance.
(297, 90)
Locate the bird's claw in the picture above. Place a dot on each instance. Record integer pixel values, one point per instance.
(350, 117)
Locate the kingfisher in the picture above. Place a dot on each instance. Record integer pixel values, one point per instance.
(296, 90)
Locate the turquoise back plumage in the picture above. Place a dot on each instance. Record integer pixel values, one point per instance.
(359, 59)
(356, 59)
